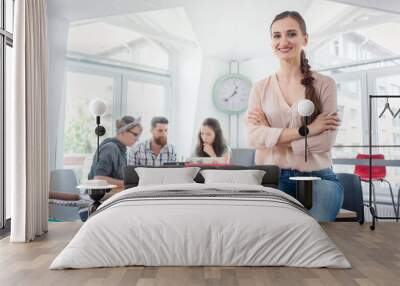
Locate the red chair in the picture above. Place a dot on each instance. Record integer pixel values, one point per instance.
(378, 173)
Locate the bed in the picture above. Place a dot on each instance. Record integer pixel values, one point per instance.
(197, 224)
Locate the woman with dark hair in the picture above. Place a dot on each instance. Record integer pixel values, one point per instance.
(273, 123)
(211, 142)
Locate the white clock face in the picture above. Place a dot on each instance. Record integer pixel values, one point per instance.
(231, 93)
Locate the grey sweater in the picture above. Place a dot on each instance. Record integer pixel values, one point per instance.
(112, 160)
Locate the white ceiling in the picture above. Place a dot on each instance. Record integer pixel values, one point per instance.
(96, 44)
(236, 29)
(226, 29)
(392, 6)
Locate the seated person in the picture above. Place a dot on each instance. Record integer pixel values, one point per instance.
(111, 161)
(211, 142)
(154, 151)
(112, 158)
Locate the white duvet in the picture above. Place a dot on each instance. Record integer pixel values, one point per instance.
(200, 231)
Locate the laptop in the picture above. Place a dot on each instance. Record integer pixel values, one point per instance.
(206, 160)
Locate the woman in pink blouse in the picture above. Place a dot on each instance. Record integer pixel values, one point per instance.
(273, 122)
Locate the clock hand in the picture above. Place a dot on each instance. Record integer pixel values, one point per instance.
(226, 99)
(233, 94)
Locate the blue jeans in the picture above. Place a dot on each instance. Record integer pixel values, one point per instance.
(327, 193)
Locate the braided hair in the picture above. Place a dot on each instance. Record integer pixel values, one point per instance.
(305, 68)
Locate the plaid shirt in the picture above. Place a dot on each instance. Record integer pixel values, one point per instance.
(142, 155)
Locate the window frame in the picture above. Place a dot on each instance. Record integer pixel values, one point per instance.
(368, 79)
(362, 77)
(120, 76)
(6, 39)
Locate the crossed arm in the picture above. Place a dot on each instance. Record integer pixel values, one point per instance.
(322, 131)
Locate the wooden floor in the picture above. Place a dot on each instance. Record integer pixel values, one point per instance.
(375, 257)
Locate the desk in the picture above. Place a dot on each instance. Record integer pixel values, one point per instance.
(365, 162)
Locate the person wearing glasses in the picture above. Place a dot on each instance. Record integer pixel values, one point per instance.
(112, 158)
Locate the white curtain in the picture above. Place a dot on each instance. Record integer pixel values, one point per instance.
(29, 149)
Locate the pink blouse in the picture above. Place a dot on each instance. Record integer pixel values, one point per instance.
(267, 96)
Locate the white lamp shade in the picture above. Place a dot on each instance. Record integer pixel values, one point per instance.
(97, 107)
(305, 107)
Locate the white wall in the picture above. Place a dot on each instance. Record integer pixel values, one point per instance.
(186, 89)
(57, 40)
(258, 68)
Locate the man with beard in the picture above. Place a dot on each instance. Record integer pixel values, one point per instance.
(154, 151)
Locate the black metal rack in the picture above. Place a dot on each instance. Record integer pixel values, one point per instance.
(370, 206)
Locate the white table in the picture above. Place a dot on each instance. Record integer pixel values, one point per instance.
(304, 189)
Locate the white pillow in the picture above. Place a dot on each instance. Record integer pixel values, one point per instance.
(166, 176)
(248, 177)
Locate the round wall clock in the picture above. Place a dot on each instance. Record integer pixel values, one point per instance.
(231, 93)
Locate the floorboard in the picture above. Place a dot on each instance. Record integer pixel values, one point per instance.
(374, 255)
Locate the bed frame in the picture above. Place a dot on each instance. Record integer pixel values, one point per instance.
(270, 179)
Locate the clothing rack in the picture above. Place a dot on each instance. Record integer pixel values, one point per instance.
(370, 206)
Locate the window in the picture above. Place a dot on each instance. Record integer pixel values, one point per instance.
(129, 69)
(349, 110)
(336, 48)
(354, 115)
(154, 105)
(80, 141)
(386, 129)
(349, 34)
(122, 45)
(146, 54)
(9, 17)
(8, 83)
(396, 138)
(395, 88)
(353, 131)
(351, 51)
(365, 55)
(365, 60)
(387, 125)
(382, 90)
(122, 90)
(6, 43)
(396, 123)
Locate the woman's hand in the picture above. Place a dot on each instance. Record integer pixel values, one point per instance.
(257, 117)
(208, 148)
(324, 122)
